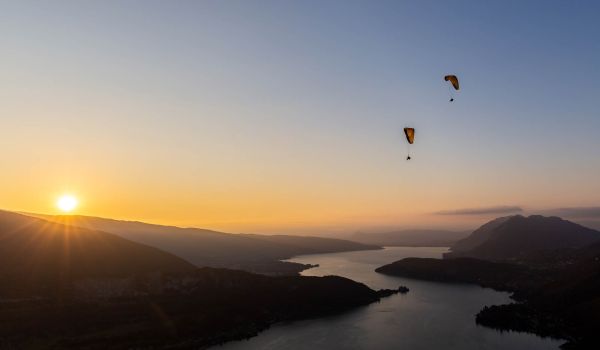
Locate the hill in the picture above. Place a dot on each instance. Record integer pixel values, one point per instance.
(410, 238)
(178, 311)
(478, 236)
(63, 286)
(253, 253)
(38, 256)
(567, 306)
(553, 274)
(558, 300)
(500, 276)
(516, 237)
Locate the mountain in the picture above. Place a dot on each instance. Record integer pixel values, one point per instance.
(547, 263)
(191, 311)
(67, 287)
(412, 238)
(478, 236)
(38, 256)
(516, 237)
(253, 253)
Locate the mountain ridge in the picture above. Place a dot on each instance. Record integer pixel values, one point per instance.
(249, 252)
(514, 237)
(410, 237)
(40, 255)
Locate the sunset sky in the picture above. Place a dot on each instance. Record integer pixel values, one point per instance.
(287, 116)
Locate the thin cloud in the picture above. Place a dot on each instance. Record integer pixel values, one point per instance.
(576, 212)
(502, 209)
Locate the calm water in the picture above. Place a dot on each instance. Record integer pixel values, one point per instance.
(431, 316)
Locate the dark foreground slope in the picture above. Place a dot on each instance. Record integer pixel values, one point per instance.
(189, 311)
(253, 253)
(557, 289)
(568, 306)
(68, 287)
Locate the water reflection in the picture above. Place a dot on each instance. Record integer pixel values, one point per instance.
(430, 316)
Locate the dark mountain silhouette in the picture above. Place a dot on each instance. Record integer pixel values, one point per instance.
(253, 253)
(180, 310)
(553, 274)
(412, 238)
(37, 255)
(568, 306)
(478, 236)
(517, 236)
(63, 286)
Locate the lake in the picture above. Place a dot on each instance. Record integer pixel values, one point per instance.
(431, 316)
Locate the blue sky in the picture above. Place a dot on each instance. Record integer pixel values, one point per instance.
(300, 105)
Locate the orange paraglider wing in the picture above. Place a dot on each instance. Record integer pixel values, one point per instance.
(453, 80)
(410, 135)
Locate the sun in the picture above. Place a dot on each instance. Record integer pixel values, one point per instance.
(67, 203)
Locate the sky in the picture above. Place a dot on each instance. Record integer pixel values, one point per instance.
(287, 116)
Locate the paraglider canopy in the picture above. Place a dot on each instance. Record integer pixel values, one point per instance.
(453, 80)
(410, 135)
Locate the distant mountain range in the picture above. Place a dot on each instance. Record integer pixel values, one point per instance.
(411, 238)
(249, 252)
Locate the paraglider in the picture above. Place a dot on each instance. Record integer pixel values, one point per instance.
(454, 82)
(410, 137)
